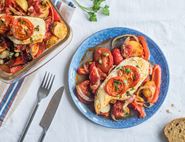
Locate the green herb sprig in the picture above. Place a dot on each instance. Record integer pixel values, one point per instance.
(96, 8)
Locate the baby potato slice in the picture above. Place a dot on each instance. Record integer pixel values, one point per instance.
(34, 49)
(23, 4)
(59, 29)
(53, 40)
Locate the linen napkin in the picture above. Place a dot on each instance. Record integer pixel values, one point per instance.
(12, 94)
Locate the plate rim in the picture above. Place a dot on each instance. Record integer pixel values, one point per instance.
(73, 95)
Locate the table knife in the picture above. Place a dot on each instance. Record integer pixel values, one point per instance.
(50, 112)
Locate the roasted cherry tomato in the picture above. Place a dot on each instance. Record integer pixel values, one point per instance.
(5, 23)
(22, 28)
(83, 92)
(131, 74)
(132, 49)
(145, 47)
(117, 56)
(116, 86)
(139, 109)
(103, 59)
(118, 110)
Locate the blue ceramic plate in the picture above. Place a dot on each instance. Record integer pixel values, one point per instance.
(156, 57)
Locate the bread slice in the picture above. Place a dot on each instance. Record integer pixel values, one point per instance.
(175, 130)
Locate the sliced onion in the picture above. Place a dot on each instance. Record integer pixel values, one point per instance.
(82, 95)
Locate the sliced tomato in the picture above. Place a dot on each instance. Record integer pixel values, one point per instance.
(131, 73)
(103, 58)
(156, 77)
(5, 23)
(16, 69)
(116, 86)
(94, 77)
(102, 74)
(22, 28)
(83, 92)
(145, 47)
(117, 56)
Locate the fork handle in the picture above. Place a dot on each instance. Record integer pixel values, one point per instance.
(28, 123)
(42, 135)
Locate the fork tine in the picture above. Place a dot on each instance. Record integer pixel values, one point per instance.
(46, 80)
(49, 81)
(43, 80)
(52, 82)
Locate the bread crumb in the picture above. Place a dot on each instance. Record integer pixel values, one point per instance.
(168, 111)
(172, 105)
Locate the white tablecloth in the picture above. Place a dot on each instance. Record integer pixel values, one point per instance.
(164, 22)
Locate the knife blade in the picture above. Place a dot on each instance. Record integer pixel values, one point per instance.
(50, 111)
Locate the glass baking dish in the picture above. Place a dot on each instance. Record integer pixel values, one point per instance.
(40, 61)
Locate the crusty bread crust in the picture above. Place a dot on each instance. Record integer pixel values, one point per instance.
(175, 130)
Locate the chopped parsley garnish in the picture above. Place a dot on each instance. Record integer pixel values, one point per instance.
(22, 21)
(132, 89)
(31, 39)
(125, 81)
(37, 28)
(127, 70)
(116, 83)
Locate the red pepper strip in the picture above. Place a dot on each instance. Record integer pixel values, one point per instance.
(117, 56)
(55, 15)
(156, 77)
(139, 109)
(18, 61)
(15, 69)
(145, 47)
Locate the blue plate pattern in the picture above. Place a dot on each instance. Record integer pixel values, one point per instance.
(157, 57)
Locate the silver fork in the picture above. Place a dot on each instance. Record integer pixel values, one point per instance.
(43, 92)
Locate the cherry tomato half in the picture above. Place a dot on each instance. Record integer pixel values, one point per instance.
(132, 49)
(103, 59)
(117, 56)
(22, 28)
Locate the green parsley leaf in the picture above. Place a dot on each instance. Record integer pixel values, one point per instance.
(92, 16)
(97, 5)
(127, 70)
(105, 10)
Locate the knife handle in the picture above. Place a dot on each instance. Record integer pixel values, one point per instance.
(42, 135)
(28, 123)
